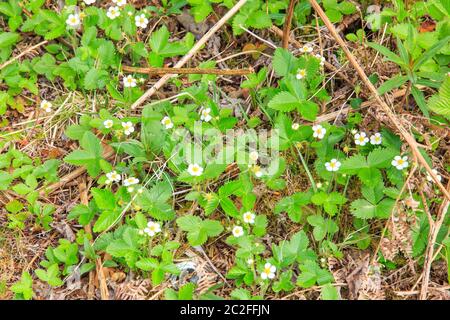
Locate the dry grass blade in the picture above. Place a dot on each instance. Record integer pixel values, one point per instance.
(98, 262)
(7, 63)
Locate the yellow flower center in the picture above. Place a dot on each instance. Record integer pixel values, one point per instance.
(400, 161)
(195, 169)
(267, 270)
(208, 196)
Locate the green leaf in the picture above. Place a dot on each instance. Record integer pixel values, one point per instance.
(394, 82)
(186, 292)
(387, 53)
(104, 199)
(106, 220)
(89, 157)
(259, 228)
(440, 103)
(198, 230)
(431, 52)
(95, 79)
(147, 264)
(259, 20)
(309, 110)
(284, 102)
(420, 100)
(8, 39)
(23, 288)
(329, 201)
(311, 274)
(322, 226)
(293, 205)
(381, 157)
(329, 292)
(353, 164)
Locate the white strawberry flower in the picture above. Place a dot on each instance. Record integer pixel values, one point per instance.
(129, 81)
(130, 181)
(205, 114)
(253, 156)
(141, 21)
(301, 73)
(361, 139)
(333, 165)
(306, 49)
(113, 12)
(108, 123)
(195, 170)
(113, 176)
(249, 217)
(152, 228)
(321, 59)
(73, 20)
(439, 177)
(238, 231)
(167, 123)
(268, 271)
(257, 171)
(88, 2)
(295, 126)
(375, 138)
(400, 162)
(120, 3)
(46, 106)
(319, 131)
(127, 127)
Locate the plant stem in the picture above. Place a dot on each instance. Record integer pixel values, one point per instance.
(308, 173)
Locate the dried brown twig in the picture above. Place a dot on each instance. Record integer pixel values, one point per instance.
(287, 23)
(223, 72)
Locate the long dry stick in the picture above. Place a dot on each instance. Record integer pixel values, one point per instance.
(223, 72)
(287, 24)
(7, 63)
(406, 135)
(190, 54)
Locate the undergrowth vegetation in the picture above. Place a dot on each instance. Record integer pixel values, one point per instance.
(287, 183)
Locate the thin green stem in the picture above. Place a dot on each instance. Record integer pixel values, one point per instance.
(308, 173)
